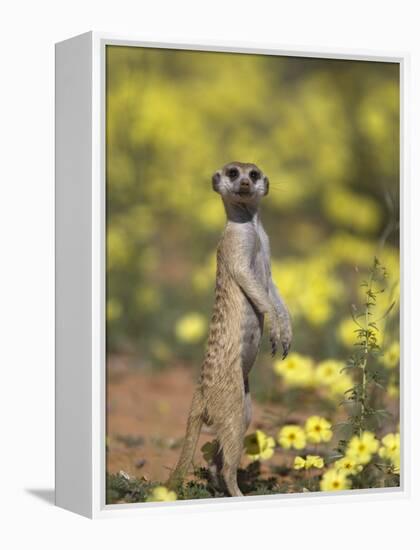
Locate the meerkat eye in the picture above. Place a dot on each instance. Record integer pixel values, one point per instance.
(254, 175)
(233, 173)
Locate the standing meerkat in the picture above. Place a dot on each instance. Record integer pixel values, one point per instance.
(245, 294)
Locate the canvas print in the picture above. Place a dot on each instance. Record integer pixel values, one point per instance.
(252, 275)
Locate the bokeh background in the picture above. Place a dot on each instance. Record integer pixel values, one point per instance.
(326, 132)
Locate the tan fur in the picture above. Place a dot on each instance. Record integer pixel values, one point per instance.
(244, 294)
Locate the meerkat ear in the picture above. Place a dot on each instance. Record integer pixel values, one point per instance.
(267, 185)
(215, 180)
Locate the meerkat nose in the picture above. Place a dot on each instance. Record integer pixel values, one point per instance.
(245, 184)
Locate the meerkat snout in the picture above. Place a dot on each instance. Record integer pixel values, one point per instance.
(240, 182)
(244, 185)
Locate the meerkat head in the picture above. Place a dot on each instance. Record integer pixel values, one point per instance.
(240, 182)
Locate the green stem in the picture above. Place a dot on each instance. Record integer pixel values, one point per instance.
(366, 353)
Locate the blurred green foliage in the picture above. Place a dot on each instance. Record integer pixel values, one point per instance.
(326, 132)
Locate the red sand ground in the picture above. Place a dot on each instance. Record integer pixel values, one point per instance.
(146, 420)
(147, 414)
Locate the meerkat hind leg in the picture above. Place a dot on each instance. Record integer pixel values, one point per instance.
(194, 424)
(215, 470)
(230, 436)
(247, 405)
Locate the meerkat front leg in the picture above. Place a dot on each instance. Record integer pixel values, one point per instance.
(283, 316)
(256, 292)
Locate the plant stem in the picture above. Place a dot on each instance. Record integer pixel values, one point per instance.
(366, 352)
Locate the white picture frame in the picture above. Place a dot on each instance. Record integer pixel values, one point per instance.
(80, 276)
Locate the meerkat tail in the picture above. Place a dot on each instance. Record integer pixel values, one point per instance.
(195, 422)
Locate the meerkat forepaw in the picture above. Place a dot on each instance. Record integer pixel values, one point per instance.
(273, 348)
(286, 348)
(286, 335)
(275, 340)
(275, 334)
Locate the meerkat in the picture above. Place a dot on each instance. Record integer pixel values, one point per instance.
(244, 295)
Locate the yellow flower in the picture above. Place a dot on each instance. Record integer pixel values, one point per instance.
(311, 461)
(299, 463)
(362, 448)
(344, 247)
(314, 461)
(318, 311)
(259, 446)
(334, 480)
(160, 350)
(147, 298)
(191, 328)
(343, 383)
(328, 371)
(318, 429)
(113, 309)
(203, 277)
(391, 356)
(393, 390)
(391, 449)
(340, 206)
(291, 437)
(296, 369)
(161, 494)
(347, 332)
(209, 450)
(309, 286)
(348, 466)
